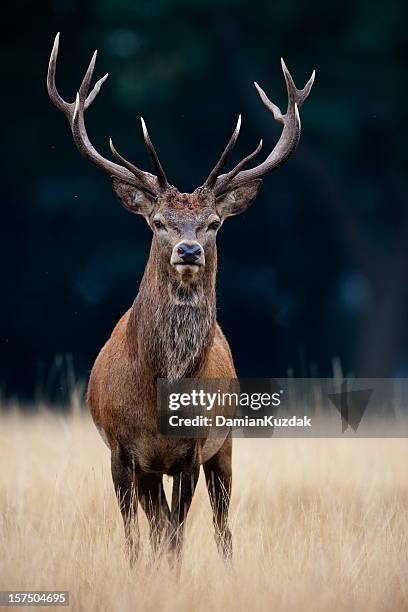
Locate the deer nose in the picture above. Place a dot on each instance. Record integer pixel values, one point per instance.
(189, 253)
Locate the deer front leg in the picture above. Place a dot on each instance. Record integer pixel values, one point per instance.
(124, 483)
(184, 483)
(218, 475)
(153, 501)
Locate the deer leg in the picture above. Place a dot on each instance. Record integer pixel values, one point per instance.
(154, 503)
(184, 484)
(123, 481)
(218, 475)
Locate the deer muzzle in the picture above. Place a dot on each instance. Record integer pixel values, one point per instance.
(187, 257)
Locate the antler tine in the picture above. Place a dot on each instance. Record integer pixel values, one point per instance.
(96, 89)
(275, 110)
(288, 140)
(68, 107)
(86, 81)
(133, 169)
(232, 173)
(74, 112)
(212, 177)
(59, 102)
(295, 95)
(161, 176)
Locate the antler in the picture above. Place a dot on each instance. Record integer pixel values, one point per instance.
(74, 111)
(286, 145)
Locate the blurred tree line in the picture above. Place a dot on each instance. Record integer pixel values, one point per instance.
(315, 270)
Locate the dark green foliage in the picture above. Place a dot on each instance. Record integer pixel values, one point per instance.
(332, 223)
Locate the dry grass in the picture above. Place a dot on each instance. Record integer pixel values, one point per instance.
(318, 525)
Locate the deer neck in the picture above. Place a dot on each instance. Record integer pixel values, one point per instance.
(172, 326)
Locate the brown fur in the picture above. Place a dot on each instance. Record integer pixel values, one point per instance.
(169, 332)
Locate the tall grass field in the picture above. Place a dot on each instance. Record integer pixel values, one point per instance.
(318, 524)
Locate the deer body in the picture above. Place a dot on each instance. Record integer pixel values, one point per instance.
(171, 329)
(122, 387)
(170, 332)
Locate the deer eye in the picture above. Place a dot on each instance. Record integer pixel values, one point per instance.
(158, 224)
(214, 225)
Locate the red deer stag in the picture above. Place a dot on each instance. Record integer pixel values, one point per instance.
(171, 329)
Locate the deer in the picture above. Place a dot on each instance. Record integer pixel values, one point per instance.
(171, 329)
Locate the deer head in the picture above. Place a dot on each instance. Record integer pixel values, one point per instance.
(184, 225)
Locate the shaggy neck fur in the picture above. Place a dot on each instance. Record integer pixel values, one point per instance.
(172, 325)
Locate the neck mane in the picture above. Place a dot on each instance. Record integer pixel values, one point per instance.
(171, 326)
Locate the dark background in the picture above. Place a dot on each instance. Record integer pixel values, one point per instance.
(314, 272)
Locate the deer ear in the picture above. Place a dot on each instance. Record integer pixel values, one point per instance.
(136, 200)
(237, 200)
